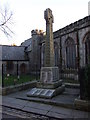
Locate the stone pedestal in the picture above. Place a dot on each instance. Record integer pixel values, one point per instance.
(49, 74)
(49, 85)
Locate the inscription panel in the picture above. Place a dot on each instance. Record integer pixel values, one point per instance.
(49, 74)
(43, 76)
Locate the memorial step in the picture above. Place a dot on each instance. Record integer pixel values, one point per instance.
(45, 93)
(36, 92)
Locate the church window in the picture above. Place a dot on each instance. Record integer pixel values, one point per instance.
(43, 55)
(70, 53)
(56, 54)
(23, 68)
(10, 65)
(87, 48)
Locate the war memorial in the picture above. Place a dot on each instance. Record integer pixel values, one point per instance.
(49, 84)
(57, 57)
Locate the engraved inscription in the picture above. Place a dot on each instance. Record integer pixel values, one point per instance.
(44, 76)
(50, 77)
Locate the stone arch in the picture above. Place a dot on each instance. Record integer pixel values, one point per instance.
(86, 42)
(85, 36)
(70, 50)
(56, 52)
(23, 68)
(10, 65)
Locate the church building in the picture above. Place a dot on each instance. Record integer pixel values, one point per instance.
(71, 45)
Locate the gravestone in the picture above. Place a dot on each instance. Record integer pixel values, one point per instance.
(49, 84)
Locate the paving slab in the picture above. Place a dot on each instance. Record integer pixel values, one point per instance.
(12, 105)
(67, 98)
(81, 114)
(57, 115)
(34, 110)
(39, 106)
(70, 112)
(61, 110)
(9, 100)
(20, 101)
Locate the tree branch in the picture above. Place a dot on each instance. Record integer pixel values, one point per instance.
(6, 19)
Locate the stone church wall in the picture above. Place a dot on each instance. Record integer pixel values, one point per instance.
(35, 46)
(82, 34)
(80, 27)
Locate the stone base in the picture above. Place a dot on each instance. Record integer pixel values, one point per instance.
(45, 93)
(49, 74)
(49, 84)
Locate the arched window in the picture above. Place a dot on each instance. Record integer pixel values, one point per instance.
(23, 68)
(70, 53)
(10, 65)
(87, 48)
(56, 53)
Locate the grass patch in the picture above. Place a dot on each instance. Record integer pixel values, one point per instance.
(13, 80)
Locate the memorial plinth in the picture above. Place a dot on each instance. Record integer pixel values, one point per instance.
(49, 84)
(49, 74)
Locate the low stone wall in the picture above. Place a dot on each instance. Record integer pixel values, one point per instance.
(15, 88)
(82, 105)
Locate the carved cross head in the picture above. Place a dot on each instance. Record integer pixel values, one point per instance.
(48, 15)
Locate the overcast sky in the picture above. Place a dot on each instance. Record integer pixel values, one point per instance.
(29, 15)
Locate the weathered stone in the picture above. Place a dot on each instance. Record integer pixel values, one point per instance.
(51, 85)
(49, 45)
(46, 93)
(15, 88)
(82, 104)
(50, 73)
(35, 110)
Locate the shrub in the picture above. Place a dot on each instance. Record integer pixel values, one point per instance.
(84, 78)
(87, 82)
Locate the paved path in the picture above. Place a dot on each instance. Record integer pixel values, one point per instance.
(66, 98)
(15, 113)
(20, 101)
(4, 115)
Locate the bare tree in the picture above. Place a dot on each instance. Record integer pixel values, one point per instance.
(6, 21)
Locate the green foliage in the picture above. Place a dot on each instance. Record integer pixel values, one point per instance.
(13, 80)
(87, 82)
(87, 73)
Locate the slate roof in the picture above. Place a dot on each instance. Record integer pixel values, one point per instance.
(27, 42)
(13, 52)
(28, 45)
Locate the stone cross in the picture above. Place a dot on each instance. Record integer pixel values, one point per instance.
(49, 44)
(49, 84)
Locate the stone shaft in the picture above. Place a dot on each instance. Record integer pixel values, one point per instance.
(49, 44)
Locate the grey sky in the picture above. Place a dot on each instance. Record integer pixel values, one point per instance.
(29, 15)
